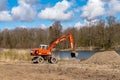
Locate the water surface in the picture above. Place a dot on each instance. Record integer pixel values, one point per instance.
(81, 54)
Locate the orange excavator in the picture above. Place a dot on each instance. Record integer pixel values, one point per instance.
(44, 52)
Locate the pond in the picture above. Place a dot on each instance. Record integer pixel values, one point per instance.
(81, 54)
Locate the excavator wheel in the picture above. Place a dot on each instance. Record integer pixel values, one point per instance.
(74, 54)
(53, 60)
(35, 60)
(40, 59)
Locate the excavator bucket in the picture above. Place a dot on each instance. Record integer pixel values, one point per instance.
(74, 54)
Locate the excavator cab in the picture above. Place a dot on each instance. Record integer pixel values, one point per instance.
(43, 46)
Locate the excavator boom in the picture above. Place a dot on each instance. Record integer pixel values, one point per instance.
(69, 36)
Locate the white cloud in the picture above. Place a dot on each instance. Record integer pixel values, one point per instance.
(3, 5)
(22, 26)
(43, 26)
(93, 9)
(86, 23)
(114, 7)
(78, 24)
(29, 1)
(5, 16)
(58, 12)
(23, 12)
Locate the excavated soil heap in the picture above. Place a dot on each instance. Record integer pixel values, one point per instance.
(106, 57)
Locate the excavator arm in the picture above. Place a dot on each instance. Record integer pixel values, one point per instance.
(69, 36)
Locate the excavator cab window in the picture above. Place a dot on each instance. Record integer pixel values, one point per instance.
(43, 46)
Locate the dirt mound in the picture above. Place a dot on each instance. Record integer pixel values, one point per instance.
(106, 57)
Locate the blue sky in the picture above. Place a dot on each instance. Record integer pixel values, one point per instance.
(43, 13)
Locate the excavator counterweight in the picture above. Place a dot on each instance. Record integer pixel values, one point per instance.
(44, 52)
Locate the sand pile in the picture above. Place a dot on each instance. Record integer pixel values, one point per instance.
(106, 57)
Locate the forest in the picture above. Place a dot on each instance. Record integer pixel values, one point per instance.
(105, 34)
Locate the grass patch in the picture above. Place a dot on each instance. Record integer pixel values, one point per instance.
(15, 55)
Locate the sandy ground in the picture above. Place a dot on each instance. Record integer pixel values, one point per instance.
(101, 66)
(72, 70)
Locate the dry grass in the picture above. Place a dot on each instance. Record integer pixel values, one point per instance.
(20, 55)
(9, 55)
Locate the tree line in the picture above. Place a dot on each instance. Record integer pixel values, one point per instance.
(103, 35)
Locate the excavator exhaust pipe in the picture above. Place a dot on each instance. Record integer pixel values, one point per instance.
(74, 54)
